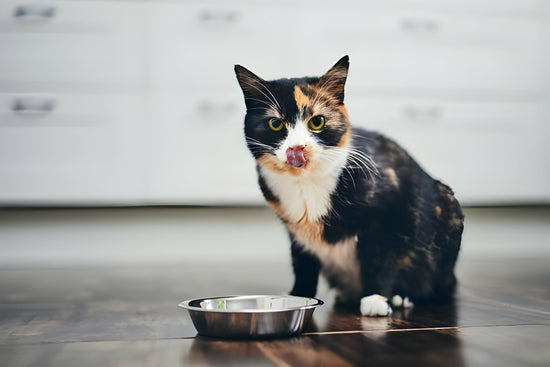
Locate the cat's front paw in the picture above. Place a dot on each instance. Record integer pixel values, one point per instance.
(375, 305)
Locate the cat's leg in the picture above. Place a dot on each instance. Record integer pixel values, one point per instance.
(447, 237)
(378, 276)
(306, 271)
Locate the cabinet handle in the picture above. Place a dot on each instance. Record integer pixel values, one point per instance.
(423, 114)
(33, 105)
(213, 108)
(419, 25)
(36, 11)
(218, 16)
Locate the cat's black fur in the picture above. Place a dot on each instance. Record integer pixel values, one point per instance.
(394, 227)
(408, 225)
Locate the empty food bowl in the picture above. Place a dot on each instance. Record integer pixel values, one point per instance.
(251, 316)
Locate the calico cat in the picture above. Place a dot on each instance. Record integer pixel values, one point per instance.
(358, 208)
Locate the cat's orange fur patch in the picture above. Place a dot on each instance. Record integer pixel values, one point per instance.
(343, 110)
(323, 93)
(344, 140)
(301, 99)
(404, 262)
(304, 230)
(272, 163)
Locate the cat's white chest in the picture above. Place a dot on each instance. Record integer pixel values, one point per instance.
(303, 197)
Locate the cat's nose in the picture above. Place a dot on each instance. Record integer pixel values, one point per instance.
(295, 156)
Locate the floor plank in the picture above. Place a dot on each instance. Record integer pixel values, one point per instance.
(465, 346)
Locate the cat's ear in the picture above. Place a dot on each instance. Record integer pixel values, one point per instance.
(334, 80)
(252, 85)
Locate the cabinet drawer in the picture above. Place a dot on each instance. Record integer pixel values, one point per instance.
(411, 50)
(409, 115)
(199, 151)
(68, 41)
(196, 45)
(66, 148)
(488, 152)
(510, 8)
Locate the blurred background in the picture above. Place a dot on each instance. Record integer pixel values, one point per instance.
(121, 121)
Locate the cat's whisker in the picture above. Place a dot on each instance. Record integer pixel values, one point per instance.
(329, 82)
(358, 160)
(318, 95)
(269, 105)
(335, 155)
(357, 164)
(325, 93)
(258, 108)
(365, 167)
(351, 177)
(369, 162)
(271, 98)
(259, 146)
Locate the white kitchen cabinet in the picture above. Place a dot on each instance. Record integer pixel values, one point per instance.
(71, 149)
(73, 109)
(199, 151)
(136, 102)
(477, 147)
(72, 41)
(400, 51)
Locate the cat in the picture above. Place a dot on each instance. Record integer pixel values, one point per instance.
(358, 209)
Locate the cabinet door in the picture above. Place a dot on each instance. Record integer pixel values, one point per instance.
(414, 51)
(71, 149)
(72, 41)
(196, 44)
(488, 152)
(199, 151)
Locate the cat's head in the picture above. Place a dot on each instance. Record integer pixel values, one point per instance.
(297, 125)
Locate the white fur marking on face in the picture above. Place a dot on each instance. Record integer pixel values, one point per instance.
(308, 193)
(298, 135)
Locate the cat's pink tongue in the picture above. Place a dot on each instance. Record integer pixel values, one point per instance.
(295, 156)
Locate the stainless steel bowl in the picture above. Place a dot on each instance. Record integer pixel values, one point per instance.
(250, 316)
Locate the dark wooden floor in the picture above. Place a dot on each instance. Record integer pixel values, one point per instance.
(128, 317)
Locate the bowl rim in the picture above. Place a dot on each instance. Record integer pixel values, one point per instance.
(187, 304)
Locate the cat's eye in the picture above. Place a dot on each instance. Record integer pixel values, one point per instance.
(275, 124)
(317, 122)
